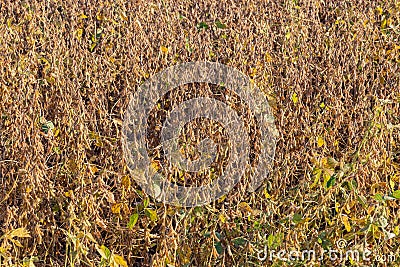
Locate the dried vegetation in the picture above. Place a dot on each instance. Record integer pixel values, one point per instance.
(330, 70)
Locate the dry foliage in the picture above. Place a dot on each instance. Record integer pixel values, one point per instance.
(330, 70)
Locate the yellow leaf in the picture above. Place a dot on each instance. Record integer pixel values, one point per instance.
(116, 208)
(17, 243)
(117, 121)
(383, 24)
(124, 16)
(222, 218)
(253, 72)
(337, 206)
(184, 254)
(352, 262)
(345, 221)
(93, 169)
(317, 173)
(126, 182)
(19, 232)
(396, 230)
(83, 16)
(69, 193)
(380, 10)
(392, 184)
(164, 49)
(79, 33)
(370, 210)
(268, 57)
(120, 261)
(155, 165)
(92, 47)
(336, 143)
(266, 194)
(376, 232)
(295, 98)
(221, 199)
(152, 214)
(56, 132)
(326, 176)
(321, 141)
(100, 16)
(331, 163)
(245, 207)
(330, 223)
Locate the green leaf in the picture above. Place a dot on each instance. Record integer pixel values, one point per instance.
(146, 202)
(278, 239)
(297, 218)
(202, 25)
(378, 197)
(362, 200)
(104, 252)
(218, 247)
(92, 47)
(152, 214)
(274, 241)
(354, 183)
(271, 241)
(220, 25)
(396, 194)
(133, 220)
(99, 32)
(47, 126)
(198, 211)
(187, 46)
(240, 241)
(331, 182)
(324, 241)
(29, 262)
(218, 235)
